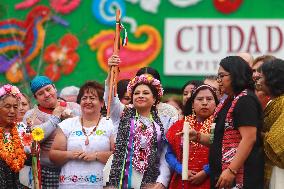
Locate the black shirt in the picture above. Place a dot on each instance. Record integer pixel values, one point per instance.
(247, 112)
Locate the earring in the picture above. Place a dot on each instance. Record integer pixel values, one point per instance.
(193, 112)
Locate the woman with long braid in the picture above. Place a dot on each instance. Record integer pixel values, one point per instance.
(140, 143)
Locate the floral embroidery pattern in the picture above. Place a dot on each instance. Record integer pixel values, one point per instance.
(79, 133)
(80, 178)
(100, 132)
(62, 58)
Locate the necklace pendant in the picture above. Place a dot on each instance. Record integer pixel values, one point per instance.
(87, 141)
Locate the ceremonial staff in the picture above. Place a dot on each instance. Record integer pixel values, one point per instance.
(114, 70)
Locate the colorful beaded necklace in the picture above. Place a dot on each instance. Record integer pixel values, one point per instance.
(94, 130)
(142, 130)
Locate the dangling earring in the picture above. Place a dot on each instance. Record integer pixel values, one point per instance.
(193, 112)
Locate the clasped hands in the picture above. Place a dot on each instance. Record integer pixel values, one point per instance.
(81, 155)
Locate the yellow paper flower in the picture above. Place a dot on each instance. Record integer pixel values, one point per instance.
(38, 134)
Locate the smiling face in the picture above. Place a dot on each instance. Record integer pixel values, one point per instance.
(143, 98)
(46, 96)
(90, 103)
(204, 104)
(262, 85)
(255, 69)
(8, 110)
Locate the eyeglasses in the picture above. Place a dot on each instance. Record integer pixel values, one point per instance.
(220, 76)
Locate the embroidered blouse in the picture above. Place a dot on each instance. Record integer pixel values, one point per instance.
(116, 111)
(83, 174)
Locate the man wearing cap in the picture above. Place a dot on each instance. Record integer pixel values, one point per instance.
(47, 114)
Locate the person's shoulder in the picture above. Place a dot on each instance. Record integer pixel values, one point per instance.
(177, 125)
(71, 120)
(105, 120)
(73, 105)
(167, 109)
(249, 98)
(249, 102)
(30, 111)
(163, 105)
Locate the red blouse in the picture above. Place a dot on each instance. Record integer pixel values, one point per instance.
(198, 154)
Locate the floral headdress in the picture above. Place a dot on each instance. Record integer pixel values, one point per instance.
(10, 90)
(147, 79)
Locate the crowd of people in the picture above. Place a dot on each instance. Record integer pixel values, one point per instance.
(236, 134)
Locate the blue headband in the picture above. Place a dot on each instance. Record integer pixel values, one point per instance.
(38, 82)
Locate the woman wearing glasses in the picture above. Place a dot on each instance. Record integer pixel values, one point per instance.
(235, 155)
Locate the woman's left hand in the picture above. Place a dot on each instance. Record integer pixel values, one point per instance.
(198, 178)
(226, 179)
(88, 156)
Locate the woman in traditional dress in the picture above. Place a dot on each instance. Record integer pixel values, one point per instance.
(236, 155)
(271, 83)
(139, 157)
(84, 143)
(198, 112)
(12, 155)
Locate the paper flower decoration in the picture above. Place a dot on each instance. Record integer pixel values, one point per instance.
(27, 139)
(10, 89)
(146, 79)
(38, 134)
(62, 58)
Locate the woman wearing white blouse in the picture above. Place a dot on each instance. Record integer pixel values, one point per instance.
(84, 144)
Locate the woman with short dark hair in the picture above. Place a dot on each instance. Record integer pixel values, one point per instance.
(84, 143)
(272, 84)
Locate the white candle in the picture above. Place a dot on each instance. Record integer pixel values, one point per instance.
(185, 149)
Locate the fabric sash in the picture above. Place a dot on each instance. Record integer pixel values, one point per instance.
(128, 167)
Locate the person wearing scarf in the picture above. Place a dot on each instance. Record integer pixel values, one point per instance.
(271, 83)
(46, 115)
(140, 143)
(198, 112)
(236, 156)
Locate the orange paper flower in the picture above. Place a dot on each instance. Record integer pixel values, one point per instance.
(62, 58)
(14, 155)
